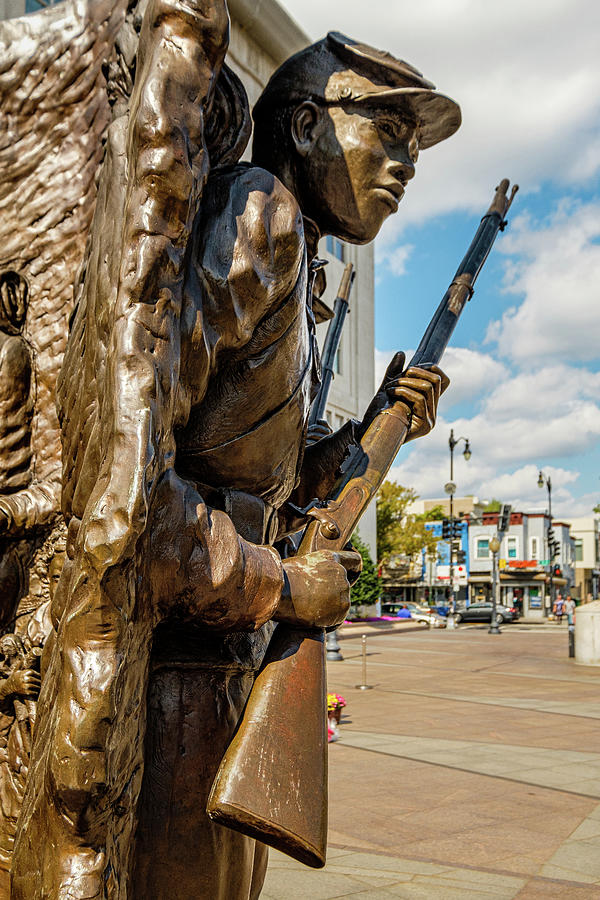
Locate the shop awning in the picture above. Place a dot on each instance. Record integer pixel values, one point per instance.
(557, 579)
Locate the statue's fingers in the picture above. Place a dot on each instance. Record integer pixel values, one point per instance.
(350, 560)
(395, 368)
(435, 376)
(444, 378)
(416, 385)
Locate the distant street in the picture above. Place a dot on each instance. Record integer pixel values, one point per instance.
(471, 770)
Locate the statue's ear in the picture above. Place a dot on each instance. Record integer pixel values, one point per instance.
(305, 120)
(14, 292)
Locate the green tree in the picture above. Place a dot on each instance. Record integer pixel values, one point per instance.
(401, 533)
(492, 505)
(435, 514)
(367, 588)
(597, 508)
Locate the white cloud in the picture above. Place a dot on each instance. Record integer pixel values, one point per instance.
(528, 419)
(536, 394)
(557, 268)
(394, 258)
(525, 74)
(482, 479)
(472, 375)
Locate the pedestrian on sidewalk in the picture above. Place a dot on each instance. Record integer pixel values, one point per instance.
(570, 609)
(559, 608)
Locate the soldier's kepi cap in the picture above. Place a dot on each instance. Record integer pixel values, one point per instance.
(338, 70)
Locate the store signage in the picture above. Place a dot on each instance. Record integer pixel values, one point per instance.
(523, 563)
(443, 574)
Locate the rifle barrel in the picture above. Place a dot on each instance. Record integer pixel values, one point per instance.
(332, 343)
(435, 340)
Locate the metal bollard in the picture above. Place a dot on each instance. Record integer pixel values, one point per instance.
(572, 641)
(333, 647)
(364, 686)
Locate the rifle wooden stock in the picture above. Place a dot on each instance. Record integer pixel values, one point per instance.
(272, 782)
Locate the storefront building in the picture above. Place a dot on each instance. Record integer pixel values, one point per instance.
(523, 562)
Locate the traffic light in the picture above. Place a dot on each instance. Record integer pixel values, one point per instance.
(456, 528)
(446, 528)
(557, 571)
(555, 550)
(461, 557)
(550, 536)
(504, 519)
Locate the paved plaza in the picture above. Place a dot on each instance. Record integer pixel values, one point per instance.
(471, 769)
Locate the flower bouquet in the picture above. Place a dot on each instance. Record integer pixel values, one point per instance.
(335, 705)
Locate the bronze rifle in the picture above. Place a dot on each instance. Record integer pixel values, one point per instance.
(272, 781)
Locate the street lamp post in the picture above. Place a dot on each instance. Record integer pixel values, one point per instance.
(494, 547)
(450, 488)
(546, 480)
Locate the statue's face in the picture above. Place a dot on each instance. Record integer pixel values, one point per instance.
(54, 570)
(360, 163)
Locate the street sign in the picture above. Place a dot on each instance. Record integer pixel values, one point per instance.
(501, 563)
(543, 562)
(443, 574)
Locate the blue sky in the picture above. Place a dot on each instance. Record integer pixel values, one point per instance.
(525, 358)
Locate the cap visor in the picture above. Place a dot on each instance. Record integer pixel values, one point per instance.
(438, 116)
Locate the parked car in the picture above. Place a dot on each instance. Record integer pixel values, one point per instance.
(423, 614)
(415, 612)
(482, 612)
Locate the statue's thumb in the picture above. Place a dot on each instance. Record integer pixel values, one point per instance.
(396, 367)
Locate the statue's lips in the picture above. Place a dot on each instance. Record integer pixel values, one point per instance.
(391, 194)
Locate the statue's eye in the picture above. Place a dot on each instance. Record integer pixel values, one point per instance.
(389, 128)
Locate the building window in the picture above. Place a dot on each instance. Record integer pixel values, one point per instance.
(336, 248)
(578, 549)
(534, 548)
(483, 548)
(511, 547)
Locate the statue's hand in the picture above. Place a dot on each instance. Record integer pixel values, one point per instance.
(317, 431)
(418, 390)
(26, 683)
(317, 591)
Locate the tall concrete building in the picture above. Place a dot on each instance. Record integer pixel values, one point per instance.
(586, 534)
(263, 35)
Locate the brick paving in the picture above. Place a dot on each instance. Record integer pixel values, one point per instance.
(472, 769)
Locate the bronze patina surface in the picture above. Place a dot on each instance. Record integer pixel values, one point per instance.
(183, 403)
(54, 111)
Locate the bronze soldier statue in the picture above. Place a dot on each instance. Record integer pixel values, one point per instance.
(184, 401)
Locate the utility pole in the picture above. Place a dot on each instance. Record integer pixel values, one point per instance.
(450, 489)
(543, 480)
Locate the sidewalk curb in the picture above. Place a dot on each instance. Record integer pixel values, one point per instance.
(356, 630)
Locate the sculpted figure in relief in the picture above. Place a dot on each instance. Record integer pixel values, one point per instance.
(183, 402)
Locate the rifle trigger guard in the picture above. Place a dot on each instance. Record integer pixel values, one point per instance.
(329, 527)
